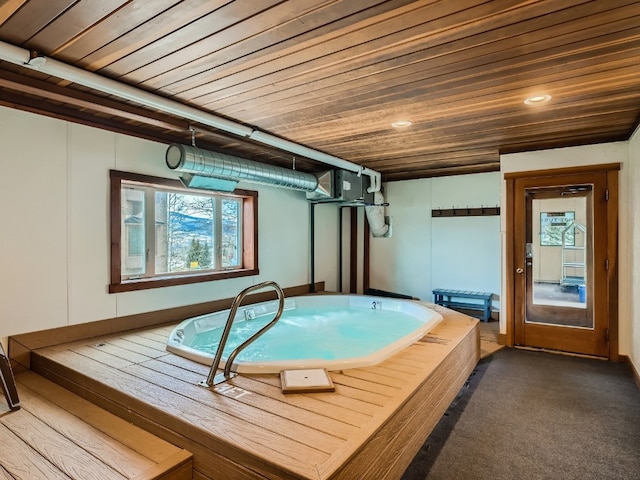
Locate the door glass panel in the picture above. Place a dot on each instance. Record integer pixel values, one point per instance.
(557, 259)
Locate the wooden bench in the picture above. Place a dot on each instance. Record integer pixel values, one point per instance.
(58, 435)
(446, 299)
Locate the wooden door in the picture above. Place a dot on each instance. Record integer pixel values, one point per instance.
(560, 262)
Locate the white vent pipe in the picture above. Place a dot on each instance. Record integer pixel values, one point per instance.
(20, 56)
(375, 216)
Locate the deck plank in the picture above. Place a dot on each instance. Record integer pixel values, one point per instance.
(4, 475)
(313, 411)
(305, 427)
(352, 414)
(19, 460)
(342, 397)
(185, 363)
(126, 355)
(138, 347)
(403, 365)
(58, 449)
(153, 342)
(352, 379)
(379, 377)
(394, 370)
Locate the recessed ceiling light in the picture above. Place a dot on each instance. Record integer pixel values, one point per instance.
(402, 124)
(537, 99)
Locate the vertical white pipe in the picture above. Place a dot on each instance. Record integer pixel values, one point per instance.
(375, 216)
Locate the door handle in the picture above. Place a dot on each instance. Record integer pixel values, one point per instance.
(519, 270)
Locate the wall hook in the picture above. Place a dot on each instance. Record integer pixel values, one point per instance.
(465, 211)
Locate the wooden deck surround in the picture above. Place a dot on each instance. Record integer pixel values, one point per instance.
(370, 427)
(59, 435)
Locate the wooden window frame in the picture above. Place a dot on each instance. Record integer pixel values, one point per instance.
(249, 238)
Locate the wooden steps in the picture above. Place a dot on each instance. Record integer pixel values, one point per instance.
(59, 435)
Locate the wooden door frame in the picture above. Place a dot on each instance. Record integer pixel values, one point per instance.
(612, 252)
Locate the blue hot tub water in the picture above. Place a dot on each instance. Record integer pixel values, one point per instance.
(320, 333)
(334, 332)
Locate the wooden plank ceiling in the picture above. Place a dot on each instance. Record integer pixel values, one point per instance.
(334, 74)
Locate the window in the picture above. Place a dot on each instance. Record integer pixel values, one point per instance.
(163, 234)
(552, 224)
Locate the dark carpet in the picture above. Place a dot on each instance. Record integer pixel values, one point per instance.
(537, 415)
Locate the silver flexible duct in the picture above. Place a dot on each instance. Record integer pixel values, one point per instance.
(204, 163)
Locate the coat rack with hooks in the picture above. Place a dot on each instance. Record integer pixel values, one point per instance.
(465, 211)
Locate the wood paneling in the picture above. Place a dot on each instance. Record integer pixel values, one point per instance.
(333, 75)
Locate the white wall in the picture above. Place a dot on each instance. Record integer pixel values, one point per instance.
(324, 246)
(35, 221)
(402, 263)
(617, 152)
(54, 245)
(634, 250)
(426, 253)
(465, 251)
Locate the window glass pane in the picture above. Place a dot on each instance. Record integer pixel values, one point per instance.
(133, 228)
(190, 231)
(161, 230)
(231, 228)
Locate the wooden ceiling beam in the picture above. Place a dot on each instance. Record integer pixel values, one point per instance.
(88, 101)
(411, 174)
(459, 156)
(69, 113)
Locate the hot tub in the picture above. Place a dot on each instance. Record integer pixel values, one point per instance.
(316, 331)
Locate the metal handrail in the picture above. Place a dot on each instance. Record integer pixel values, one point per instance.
(212, 378)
